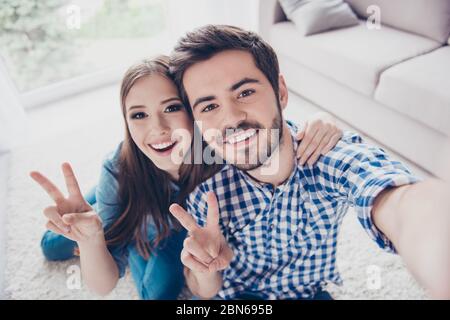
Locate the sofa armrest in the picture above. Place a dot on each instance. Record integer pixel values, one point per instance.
(270, 12)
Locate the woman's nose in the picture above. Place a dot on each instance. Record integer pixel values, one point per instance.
(158, 126)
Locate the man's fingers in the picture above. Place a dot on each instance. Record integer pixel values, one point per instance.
(48, 186)
(71, 181)
(212, 218)
(185, 219)
(196, 250)
(190, 262)
(53, 215)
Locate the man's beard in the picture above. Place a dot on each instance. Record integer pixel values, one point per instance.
(273, 142)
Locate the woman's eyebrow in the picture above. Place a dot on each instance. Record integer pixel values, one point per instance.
(170, 99)
(135, 107)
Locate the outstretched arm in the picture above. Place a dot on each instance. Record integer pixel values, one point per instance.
(416, 218)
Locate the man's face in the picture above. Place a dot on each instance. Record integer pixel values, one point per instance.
(236, 108)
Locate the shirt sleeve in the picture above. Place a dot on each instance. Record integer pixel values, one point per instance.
(358, 173)
(109, 208)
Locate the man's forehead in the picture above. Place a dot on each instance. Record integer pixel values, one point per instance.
(225, 68)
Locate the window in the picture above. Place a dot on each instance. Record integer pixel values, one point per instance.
(45, 42)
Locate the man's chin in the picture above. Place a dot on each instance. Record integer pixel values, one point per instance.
(247, 166)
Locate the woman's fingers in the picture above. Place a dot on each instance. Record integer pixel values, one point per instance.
(48, 186)
(301, 134)
(318, 152)
(190, 262)
(313, 143)
(332, 142)
(71, 181)
(53, 215)
(309, 135)
(54, 228)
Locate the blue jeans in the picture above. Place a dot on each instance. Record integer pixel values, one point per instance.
(158, 278)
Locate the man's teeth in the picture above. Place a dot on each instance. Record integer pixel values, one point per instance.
(163, 145)
(241, 137)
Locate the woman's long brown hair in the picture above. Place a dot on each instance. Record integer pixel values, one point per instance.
(145, 193)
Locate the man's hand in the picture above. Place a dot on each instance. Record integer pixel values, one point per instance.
(205, 249)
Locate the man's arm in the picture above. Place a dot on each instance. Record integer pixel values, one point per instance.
(416, 218)
(204, 285)
(205, 251)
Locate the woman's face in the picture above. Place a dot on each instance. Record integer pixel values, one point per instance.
(156, 117)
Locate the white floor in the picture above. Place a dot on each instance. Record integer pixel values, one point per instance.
(82, 129)
(4, 170)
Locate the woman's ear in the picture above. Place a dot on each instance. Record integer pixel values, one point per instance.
(282, 91)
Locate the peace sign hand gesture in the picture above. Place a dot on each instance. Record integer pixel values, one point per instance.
(71, 217)
(205, 249)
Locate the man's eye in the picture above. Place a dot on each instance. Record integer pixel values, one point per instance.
(210, 107)
(246, 93)
(173, 108)
(139, 115)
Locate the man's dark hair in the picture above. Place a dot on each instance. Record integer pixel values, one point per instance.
(202, 43)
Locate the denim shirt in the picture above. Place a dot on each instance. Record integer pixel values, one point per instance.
(109, 208)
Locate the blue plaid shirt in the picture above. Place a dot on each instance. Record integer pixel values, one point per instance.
(284, 239)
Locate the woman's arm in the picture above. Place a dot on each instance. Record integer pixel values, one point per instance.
(75, 219)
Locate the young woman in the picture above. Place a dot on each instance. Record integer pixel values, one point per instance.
(125, 220)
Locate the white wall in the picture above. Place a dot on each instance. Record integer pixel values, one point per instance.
(12, 115)
(185, 15)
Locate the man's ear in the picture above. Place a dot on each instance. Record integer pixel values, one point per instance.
(283, 91)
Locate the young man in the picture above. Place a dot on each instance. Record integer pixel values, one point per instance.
(272, 231)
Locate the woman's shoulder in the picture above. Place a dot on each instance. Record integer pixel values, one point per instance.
(112, 159)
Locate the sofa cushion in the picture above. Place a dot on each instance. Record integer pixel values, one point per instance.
(353, 56)
(314, 16)
(420, 88)
(429, 18)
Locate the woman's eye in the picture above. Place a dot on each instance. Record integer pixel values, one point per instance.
(173, 108)
(246, 93)
(139, 115)
(210, 107)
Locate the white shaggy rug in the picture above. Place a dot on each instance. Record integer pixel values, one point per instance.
(29, 276)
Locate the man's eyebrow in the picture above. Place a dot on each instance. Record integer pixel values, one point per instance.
(242, 82)
(202, 99)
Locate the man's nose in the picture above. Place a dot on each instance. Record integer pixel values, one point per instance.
(234, 115)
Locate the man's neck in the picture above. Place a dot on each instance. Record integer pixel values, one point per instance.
(279, 166)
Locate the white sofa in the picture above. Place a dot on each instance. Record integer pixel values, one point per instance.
(392, 84)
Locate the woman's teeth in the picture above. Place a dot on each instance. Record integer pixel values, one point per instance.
(162, 146)
(241, 136)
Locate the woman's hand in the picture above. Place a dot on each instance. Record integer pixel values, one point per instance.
(319, 135)
(71, 217)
